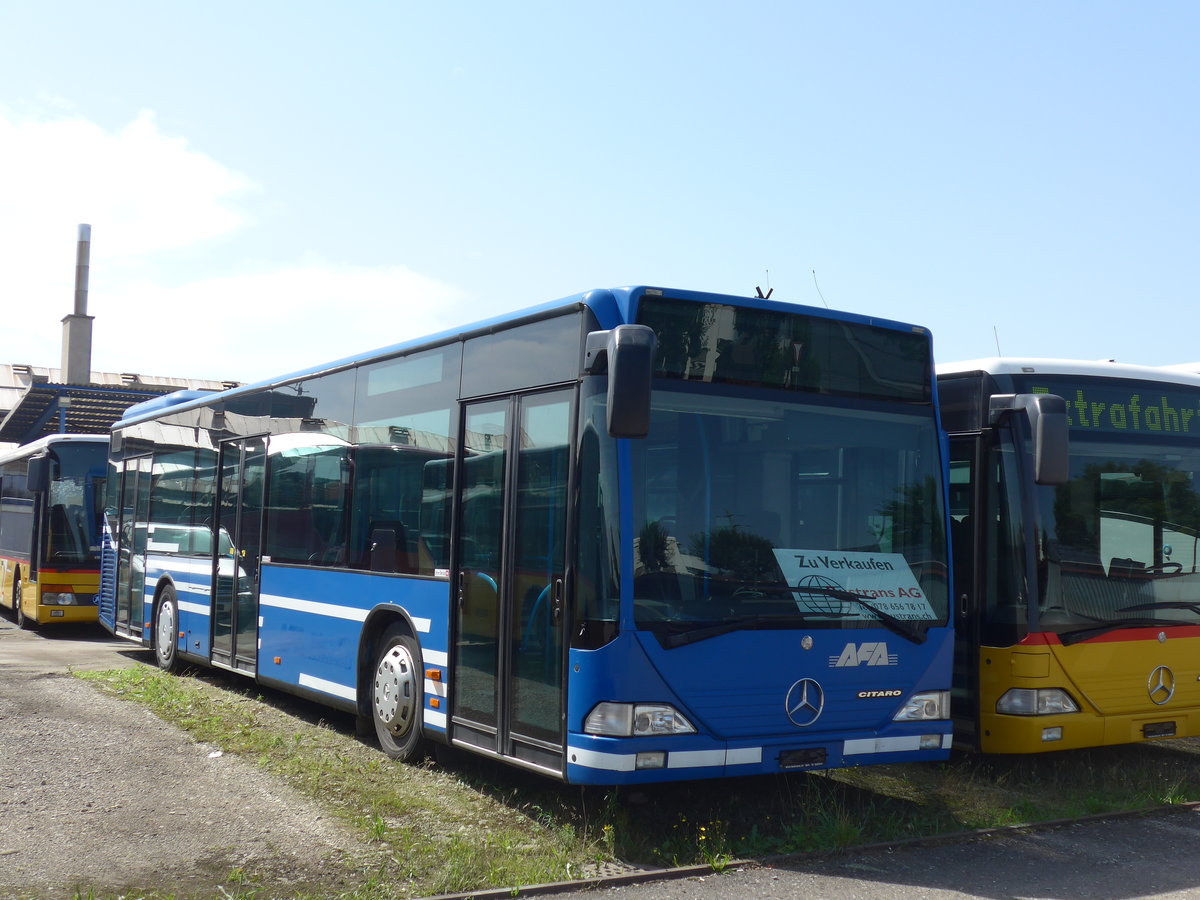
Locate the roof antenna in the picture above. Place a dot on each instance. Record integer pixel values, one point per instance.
(996, 333)
(818, 287)
(770, 290)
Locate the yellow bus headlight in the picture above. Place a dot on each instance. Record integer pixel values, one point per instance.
(66, 598)
(1036, 702)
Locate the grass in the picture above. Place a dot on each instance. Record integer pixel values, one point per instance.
(463, 823)
(425, 829)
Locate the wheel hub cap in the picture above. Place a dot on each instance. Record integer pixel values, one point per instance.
(396, 690)
(166, 630)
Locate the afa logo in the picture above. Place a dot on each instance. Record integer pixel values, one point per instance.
(869, 653)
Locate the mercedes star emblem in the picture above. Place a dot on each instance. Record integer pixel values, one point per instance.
(804, 703)
(1161, 685)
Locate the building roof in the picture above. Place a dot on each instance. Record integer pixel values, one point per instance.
(34, 402)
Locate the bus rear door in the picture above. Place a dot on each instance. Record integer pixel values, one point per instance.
(240, 494)
(131, 563)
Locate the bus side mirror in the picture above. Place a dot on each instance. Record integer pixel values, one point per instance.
(38, 474)
(627, 352)
(1047, 415)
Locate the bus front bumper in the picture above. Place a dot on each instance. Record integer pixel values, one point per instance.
(53, 615)
(605, 760)
(1075, 731)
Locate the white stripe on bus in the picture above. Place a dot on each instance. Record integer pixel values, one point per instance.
(676, 759)
(433, 657)
(328, 687)
(312, 606)
(743, 755)
(889, 745)
(197, 608)
(436, 657)
(593, 759)
(174, 564)
(183, 587)
(434, 718)
(688, 759)
(332, 610)
(691, 759)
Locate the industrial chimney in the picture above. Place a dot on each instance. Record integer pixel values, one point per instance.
(77, 327)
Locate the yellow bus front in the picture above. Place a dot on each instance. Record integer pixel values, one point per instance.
(60, 597)
(1119, 687)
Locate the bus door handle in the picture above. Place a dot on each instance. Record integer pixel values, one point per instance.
(556, 607)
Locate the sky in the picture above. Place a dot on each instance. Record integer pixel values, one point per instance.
(273, 185)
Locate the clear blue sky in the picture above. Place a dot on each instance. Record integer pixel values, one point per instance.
(328, 178)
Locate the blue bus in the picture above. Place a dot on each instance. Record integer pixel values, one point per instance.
(633, 535)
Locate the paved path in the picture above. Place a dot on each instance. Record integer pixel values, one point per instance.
(58, 649)
(99, 793)
(1117, 859)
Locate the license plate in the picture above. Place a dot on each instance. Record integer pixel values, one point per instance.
(1158, 729)
(808, 758)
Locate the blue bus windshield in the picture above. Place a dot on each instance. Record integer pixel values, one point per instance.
(751, 507)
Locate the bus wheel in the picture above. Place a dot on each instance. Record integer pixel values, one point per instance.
(18, 611)
(166, 630)
(396, 695)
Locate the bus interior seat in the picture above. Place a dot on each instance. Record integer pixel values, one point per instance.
(387, 548)
(1125, 567)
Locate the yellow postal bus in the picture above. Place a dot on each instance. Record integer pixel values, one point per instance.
(51, 501)
(1075, 506)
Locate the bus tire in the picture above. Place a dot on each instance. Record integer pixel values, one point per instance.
(23, 620)
(166, 629)
(397, 695)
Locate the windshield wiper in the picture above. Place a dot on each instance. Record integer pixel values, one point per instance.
(1163, 604)
(906, 629)
(1083, 634)
(671, 638)
(1074, 637)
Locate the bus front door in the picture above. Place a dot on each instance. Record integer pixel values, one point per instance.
(131, 558)
(512, 522)
(238, 542)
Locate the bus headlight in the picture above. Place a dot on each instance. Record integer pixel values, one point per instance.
(50, 598)
(1036, 702)
(924, 706)
(636, 720)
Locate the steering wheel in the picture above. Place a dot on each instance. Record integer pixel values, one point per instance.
(1175, 568)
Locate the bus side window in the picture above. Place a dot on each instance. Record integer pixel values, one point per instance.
(306, 507)
(962, 518)
(388, 524)
(1005, 611)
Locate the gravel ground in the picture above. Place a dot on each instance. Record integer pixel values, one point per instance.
(98, 794)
